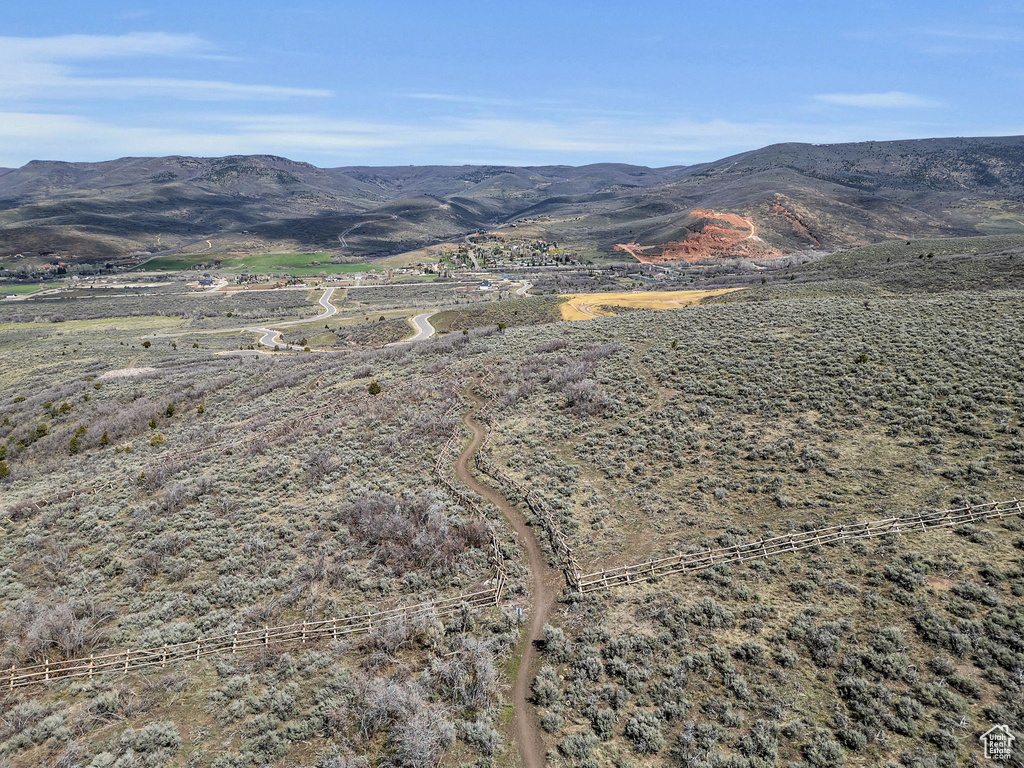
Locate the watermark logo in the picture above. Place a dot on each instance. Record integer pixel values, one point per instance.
(998, 742)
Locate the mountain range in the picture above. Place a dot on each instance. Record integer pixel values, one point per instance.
(777, 200)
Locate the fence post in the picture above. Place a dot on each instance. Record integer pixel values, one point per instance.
(266, 635)
(234, 643)
(199, 646)
(571, 580)
(92, 665)
(11, 686)
(127, 658)
(46, 671)
(303, 630)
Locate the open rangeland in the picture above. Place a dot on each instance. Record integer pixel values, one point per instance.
(201, 520)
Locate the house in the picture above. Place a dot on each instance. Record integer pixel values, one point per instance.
(205, 281)
(484, 285)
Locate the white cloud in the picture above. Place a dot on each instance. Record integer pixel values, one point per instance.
(194, 89)
(892, 99)
(72, 47)
(25, 136)
(36, 68)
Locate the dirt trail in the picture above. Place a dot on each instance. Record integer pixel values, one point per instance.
(542, 584)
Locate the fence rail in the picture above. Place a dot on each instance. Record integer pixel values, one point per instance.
(310, 631)
(307, 631)
(795, 542)
(443, 463)
(290, 634)
(539, 506)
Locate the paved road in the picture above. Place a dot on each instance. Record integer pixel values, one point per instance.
(272, 338)
(521, 291)
(424, 330)
(269, 337)
(325, 302)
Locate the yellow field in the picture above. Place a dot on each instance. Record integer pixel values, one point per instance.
(582, 306)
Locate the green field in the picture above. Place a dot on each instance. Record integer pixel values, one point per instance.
(284, 263)
(21, 288)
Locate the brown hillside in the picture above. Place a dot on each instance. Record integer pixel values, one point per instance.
(709, 234)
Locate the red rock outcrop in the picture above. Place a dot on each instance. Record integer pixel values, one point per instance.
(709, 235)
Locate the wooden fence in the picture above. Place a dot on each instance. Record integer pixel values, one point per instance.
(290, 634)
(795, 542)
(307, 631)
(310, 631)
(537, 504)
(441, 473)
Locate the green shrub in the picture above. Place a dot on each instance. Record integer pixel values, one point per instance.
(156, 737)
(644, 729)
(546, 688)
(822, 752)
(578, 746)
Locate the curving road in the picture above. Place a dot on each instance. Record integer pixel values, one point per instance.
(269, 337)
(543, 583)
(324, 301)
(424, 330)
(521, 291)
(272, 338)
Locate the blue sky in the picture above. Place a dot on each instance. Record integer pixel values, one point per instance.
(396, 82)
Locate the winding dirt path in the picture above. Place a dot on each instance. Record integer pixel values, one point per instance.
(341, 237)
(542, 584)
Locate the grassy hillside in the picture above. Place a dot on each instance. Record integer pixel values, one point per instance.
(529, 311)
(279, 263)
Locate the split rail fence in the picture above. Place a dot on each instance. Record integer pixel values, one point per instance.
(444, 461)
(291, 634)
(538, 505)
(795, 542)
(310, 631)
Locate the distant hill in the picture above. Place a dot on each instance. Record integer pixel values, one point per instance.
(794, 196)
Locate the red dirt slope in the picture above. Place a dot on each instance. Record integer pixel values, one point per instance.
(709, 235)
